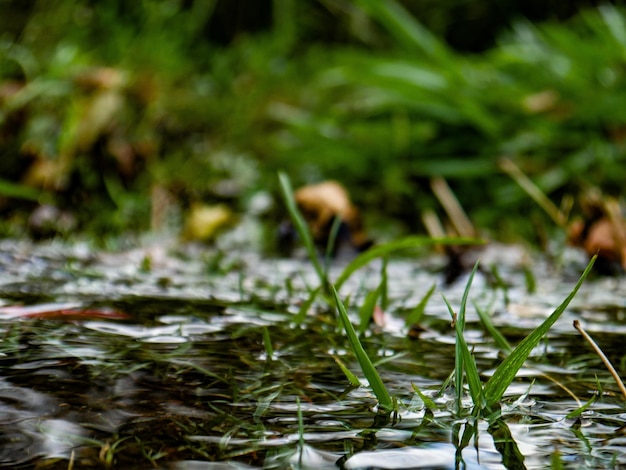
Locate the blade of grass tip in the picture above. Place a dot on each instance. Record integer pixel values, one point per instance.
(300, 224)
(332, 241)
(415, 316)
(370, 372)
(581, 409)
(306, 306)
(267, 342)
(507, 370)
(461, 318)
(384, 284)
(505, 346)
(428, 402)
(464, 361)
(530, 280)
(458, 362)
(600, 353)
(353, 379)
(397, 245)
(485, 319)
(367, 309)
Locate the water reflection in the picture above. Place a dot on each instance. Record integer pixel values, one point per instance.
(182, 380)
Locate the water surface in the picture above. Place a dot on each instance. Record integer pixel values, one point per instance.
(155, 358)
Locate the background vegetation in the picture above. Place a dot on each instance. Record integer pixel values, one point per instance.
(124, 115)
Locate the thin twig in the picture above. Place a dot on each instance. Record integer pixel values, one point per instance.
(433, 227)
(453, 207)
(605, 359)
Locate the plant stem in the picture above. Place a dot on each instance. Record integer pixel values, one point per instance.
(605, 359)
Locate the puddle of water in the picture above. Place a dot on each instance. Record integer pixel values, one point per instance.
(183, 380)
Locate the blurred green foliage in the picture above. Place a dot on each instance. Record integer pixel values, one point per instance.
(105, 104)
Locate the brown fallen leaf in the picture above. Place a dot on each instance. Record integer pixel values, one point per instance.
(321, 203)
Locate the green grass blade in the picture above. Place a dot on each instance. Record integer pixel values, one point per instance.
(500, 340)
(471, 371)
(401, 244)
(306, 306)
(506, 371)
(464, 361)
(384, 285)
(415, 316)
(300, 431)
(428, 402)
(458, 362)
(531, 281)
(461, 318)
(300, 225)
(370, 372)
(332, 242)
(267, 342)
(367, 309)
(581, 409)
(353, 379)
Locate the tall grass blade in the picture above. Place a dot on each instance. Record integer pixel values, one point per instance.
(464, 361)
(507, 370)
(401, 244)
(471, 371)
(500, 340)
(300, 225)
(370, 372)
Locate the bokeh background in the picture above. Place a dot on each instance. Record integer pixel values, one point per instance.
(121, 117)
